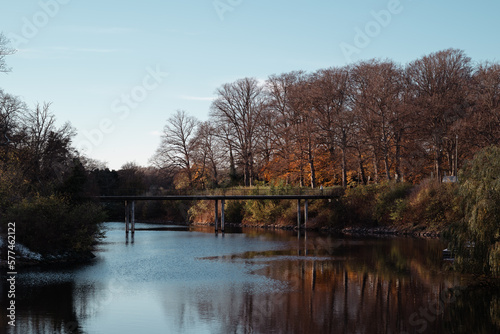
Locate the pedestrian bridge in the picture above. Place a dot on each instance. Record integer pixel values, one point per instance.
(130, 204)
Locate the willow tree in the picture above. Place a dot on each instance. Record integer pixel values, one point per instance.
(476, 239)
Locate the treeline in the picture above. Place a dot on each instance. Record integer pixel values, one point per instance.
(43, 182)
(362, 123)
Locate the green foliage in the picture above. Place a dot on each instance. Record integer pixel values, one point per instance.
(266, 211)
(475, 238)
(201, 211)
(51, 224)
(375, 203)
(390, 201)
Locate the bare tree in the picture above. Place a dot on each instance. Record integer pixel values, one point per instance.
(483, 125)
(441, 81)
(5, 50)
(282, 118)
(330, 94)
(240, 105)
(210, 153)
(45, 149)
(378, 88)
(177, 147)
(11, 111)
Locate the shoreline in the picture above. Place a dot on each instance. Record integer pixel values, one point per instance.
(349, 230)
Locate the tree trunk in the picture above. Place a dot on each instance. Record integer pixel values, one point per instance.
(361, 168)
(311, 167)
(313, 173)
(437, 164)
(375, 166)
(344, 167)
(398, 157)
(387, 167)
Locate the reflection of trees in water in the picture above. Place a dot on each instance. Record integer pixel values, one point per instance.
(45, 309)
(476, 310)
(393, 288)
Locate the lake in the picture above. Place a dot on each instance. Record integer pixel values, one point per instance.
(171, 279)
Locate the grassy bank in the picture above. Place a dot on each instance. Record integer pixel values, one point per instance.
(426, 208)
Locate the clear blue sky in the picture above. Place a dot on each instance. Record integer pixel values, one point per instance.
(103, 64)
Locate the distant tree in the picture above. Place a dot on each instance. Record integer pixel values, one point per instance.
(178, 144)
(5, 50)
(209, 154)
(131, 179)
(44, 150)
(280, 119)
(482, 127)
(305, 134)
(441, 81)
(240, 105)
(12, 110)
(377, 96)
(226, 134)
(332, 105)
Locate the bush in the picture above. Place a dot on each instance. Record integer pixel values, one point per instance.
(50, 225)
(358, 204)
(433, 204)
(390, 201)
(266, 211)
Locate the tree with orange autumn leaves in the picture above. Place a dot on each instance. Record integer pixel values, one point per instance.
(366, 122)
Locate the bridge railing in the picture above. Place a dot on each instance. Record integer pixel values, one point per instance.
(333, 191)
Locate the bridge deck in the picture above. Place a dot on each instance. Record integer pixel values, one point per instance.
(212, 197)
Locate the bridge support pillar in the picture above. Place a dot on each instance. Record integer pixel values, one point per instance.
(132, 216)
(306, 212)
(216, 216)
(298, 214)
(222, 202)
(127, 216)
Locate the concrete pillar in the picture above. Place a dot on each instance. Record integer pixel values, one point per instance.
(132, 218)
(298, 213)
(216, 216)
(306, 212)
(222, 215)
(127, 216)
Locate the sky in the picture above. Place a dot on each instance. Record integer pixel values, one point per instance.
(118, 69)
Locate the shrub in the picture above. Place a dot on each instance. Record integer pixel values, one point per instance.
(52, 225)
(433, 204)
(359, 203)
(390, 201)
(266, 211)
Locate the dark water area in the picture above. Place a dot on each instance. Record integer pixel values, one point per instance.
(169, 279)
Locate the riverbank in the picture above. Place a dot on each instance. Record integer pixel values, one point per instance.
(426, 210)
(348, 231)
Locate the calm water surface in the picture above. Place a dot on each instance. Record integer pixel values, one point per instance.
(174, 280)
